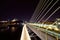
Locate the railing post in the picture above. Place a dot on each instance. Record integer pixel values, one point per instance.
(46, 35)
(56, 37)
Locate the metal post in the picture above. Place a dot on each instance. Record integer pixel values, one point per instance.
(46, 35)
(56, 37)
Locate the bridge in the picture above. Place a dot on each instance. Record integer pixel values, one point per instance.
(45, 22)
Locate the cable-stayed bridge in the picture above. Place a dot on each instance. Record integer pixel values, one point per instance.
(45, 21)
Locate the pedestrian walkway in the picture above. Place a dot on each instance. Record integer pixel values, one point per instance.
(25, 34)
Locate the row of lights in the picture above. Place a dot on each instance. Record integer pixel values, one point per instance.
(12, 20)
(51, 27)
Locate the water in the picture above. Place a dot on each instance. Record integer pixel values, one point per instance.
(11, 33)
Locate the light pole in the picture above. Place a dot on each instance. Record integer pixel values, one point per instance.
(56, 37)
(46, 34)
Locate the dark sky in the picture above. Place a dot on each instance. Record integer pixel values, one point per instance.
(21, 9)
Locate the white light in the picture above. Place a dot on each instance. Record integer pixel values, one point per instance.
(56, 29)
(25, 34)
(58, 23)
(45, 26)
(14, 20)
(50, 27)
(3, 21)
(41, 25)
(18, 23)
(58, 19)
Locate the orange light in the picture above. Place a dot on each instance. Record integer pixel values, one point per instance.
(13, 29)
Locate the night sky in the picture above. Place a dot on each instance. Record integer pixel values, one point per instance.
(21, 9)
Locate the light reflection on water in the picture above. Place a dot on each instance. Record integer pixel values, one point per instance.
(11, 32)
(13, 29)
